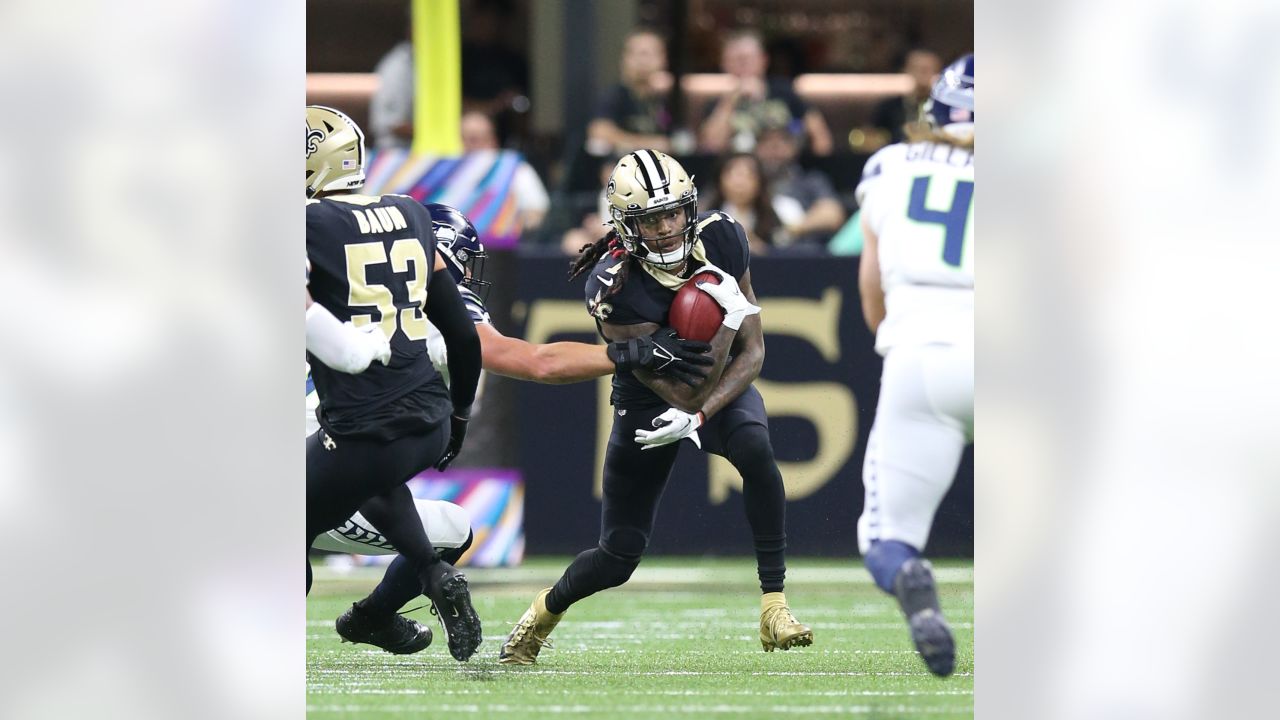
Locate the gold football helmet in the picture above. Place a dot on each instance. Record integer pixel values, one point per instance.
(652, 201)
(335, 151)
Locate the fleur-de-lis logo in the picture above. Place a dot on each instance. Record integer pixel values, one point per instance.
(314, 138)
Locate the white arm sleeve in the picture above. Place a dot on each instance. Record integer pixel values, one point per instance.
(342, 346)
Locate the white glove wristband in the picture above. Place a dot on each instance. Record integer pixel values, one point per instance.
(342, 346)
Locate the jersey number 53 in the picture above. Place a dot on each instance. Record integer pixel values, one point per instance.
(411, 319)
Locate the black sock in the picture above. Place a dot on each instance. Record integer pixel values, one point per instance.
(589, 573)
(399, 586)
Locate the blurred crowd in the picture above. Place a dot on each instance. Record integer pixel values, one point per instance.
(758, 150)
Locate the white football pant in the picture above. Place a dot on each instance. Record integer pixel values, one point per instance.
(923, 422)
(447, 525)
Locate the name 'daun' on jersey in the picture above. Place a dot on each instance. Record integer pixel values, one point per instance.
(379, 219)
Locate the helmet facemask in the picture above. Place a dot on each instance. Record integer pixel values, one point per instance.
(641, 232)
(471, 264)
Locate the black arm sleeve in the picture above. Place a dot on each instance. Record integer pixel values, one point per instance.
(448, 313)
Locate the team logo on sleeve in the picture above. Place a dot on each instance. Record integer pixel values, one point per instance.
(597, 309)
(314, 138)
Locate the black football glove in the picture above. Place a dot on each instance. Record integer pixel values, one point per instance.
(457, 433)
(663, 353)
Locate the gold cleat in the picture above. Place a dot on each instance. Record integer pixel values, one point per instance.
(779, 629)
(529, 635)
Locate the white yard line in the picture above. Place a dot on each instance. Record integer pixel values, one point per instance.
(580, 692)
(646, 710)
(853, 574)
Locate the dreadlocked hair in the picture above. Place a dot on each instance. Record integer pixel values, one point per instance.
(590, 254)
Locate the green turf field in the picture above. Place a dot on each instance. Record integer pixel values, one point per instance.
(679, 640)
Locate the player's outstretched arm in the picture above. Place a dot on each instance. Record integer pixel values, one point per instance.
(748, 358)
(550, 363)
(568, 362)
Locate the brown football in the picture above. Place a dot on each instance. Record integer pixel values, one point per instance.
(694, 314)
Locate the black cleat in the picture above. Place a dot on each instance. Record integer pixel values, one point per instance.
(393, 633)
(451, 602)
(917, 595)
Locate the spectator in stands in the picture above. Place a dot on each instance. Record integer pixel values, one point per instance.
(735, 120)
(391, 108)
(742, 191)
(891, 114)
(634, 113)
(805, 202)
(532, 202)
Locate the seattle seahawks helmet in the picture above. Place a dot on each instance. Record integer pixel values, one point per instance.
(335, 151)
(951, 99)
(459, 244)
(647, 186)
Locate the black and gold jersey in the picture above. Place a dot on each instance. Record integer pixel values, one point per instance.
(371, 259)
(637, 296)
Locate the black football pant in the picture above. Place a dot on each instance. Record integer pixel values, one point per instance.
(634, 479)
(349, 474)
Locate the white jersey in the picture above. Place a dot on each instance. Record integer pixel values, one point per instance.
(918, 200)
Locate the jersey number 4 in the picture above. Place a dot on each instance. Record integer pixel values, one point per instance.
(411, 319)
(952, 220)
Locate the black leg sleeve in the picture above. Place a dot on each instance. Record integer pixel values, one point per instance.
(764, 497)
(396, 516)
(633, 483)
(740, 434)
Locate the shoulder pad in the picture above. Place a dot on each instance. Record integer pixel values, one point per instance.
(712, 218)
(604, 273)
(883, 160)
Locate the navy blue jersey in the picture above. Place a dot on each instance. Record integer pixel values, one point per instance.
(634, 296)
(475, 306)
(371, 259)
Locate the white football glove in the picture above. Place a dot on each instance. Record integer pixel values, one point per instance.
(729, 296)
(672, 426)
(379, 344)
